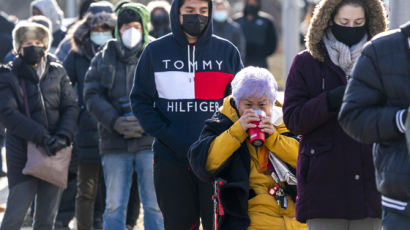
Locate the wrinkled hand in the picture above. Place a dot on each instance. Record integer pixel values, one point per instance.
(247, 117)
(266, 126)
(54, 144)
(129, 127)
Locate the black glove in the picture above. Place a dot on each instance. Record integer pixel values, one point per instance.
(54, 144)
(335, 98)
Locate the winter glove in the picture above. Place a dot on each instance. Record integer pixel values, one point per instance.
(129, 127)
(335, 98)
(54, 144)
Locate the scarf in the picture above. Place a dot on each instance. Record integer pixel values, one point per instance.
(341, 54)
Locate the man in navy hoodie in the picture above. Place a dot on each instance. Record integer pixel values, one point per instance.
(180, 81)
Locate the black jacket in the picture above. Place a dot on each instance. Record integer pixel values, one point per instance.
(52, 106)
(380, 87)
(109, 78)
(234, 194)
(261, 38)
(232, 32)
(76, 64)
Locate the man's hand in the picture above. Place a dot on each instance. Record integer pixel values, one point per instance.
(129, 127)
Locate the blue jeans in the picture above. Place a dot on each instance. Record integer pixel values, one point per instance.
(118, 169)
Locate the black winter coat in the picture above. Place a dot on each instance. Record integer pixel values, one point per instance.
(109, 78)
(235, 193)
(379, 88)
(86, 138)
(52, 107)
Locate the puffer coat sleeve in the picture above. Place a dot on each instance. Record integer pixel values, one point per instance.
(16, 122)
(68, 109)
(94, 97)
(363, 114)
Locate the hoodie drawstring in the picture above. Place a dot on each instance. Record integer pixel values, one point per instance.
(192, 77)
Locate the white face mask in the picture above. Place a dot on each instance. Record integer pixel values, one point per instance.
(131, 37)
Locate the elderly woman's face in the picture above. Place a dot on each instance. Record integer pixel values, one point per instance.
(261, 103)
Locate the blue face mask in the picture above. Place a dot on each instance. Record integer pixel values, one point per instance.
(220, 15)
(100, 38)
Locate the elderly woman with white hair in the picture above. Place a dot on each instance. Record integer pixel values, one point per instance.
(247, 195)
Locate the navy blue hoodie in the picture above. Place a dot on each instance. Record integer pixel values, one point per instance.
(172, 99)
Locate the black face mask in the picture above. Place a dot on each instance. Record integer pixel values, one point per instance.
(160, 20)
(251, 9)
(33, 54)
(348, 35)
(194, 24)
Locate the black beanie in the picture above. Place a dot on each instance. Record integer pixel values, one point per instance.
(127, 16)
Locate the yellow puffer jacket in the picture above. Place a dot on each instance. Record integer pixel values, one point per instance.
(263, 210)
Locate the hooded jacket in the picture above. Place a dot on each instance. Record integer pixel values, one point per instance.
(52, 11)
(172, 98)
(378, 91)
(335, 173)
(76, 64)
(108, 79)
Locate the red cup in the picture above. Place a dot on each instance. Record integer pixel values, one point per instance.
(256, 136)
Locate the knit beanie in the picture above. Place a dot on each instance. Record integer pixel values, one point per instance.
(127, 16)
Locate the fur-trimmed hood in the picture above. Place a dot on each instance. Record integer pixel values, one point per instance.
(81, 34)
(30, 30)
(376, 22)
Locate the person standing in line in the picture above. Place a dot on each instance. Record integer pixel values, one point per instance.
(159, 11)
(35, 75)
(89, 36)
(226, 28)
(260, 33)
(180, 81)
(123, 144)
(375, 111)
(336, 183)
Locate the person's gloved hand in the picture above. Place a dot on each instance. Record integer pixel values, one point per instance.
(335, 98)
(54, 144)
(129, 127)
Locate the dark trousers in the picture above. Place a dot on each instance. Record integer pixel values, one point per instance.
(66, 209)
(133, 209)
(182, 197)
(20, 198)
(89, 204)
(394, 221)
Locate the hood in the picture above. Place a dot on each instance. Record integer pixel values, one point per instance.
(376, 22)
(51, 10)
(143, 12)
(229, 109)
(81, 35)
(176, 26)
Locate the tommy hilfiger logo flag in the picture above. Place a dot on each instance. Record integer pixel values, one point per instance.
(207, 85)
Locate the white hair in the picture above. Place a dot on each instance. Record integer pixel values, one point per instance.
(254, 82)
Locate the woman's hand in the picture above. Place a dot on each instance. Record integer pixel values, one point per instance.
(246, 119)
(266, 126)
